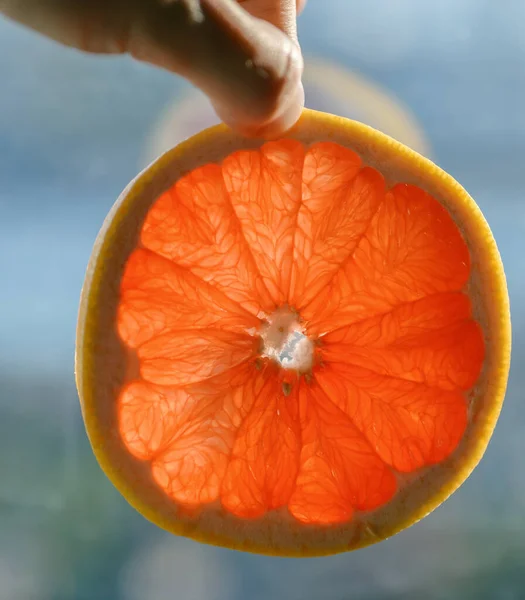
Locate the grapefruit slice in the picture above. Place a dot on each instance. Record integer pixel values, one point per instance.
(296, 347)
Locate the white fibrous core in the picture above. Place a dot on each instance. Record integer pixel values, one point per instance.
(285, 342)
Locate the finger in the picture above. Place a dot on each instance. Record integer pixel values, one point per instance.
(275, 58)
(91, 25)
(249, 68)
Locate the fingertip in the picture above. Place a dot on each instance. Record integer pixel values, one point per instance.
(270, 129)
(285, 120)
(282, 109)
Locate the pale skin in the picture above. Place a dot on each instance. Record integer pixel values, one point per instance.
(243, 54)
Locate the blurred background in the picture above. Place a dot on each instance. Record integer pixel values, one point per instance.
(447, 78)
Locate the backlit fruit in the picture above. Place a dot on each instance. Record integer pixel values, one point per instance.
(295, 347)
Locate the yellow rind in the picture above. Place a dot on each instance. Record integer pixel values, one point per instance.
(489, 288)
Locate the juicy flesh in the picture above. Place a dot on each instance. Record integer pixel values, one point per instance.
(302, 332)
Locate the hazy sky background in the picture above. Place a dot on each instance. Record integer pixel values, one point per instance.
(73, 132)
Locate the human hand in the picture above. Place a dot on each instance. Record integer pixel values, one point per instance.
(242, 53)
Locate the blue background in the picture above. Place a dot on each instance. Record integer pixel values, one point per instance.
(73, 132)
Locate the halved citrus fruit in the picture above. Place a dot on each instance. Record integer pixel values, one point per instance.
(295, 347)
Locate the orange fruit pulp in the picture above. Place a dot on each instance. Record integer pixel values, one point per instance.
(295, 347)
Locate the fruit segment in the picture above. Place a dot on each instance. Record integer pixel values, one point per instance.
(158, 296)
(186, 356)
(265, 190)
(150, 416)
(408, 424)
(187, 434)
(433, 341)
(265, 457)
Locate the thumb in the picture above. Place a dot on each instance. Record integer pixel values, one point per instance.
(250, 69)
(267, 96)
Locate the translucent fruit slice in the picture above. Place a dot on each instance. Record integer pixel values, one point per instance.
(298, 335)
